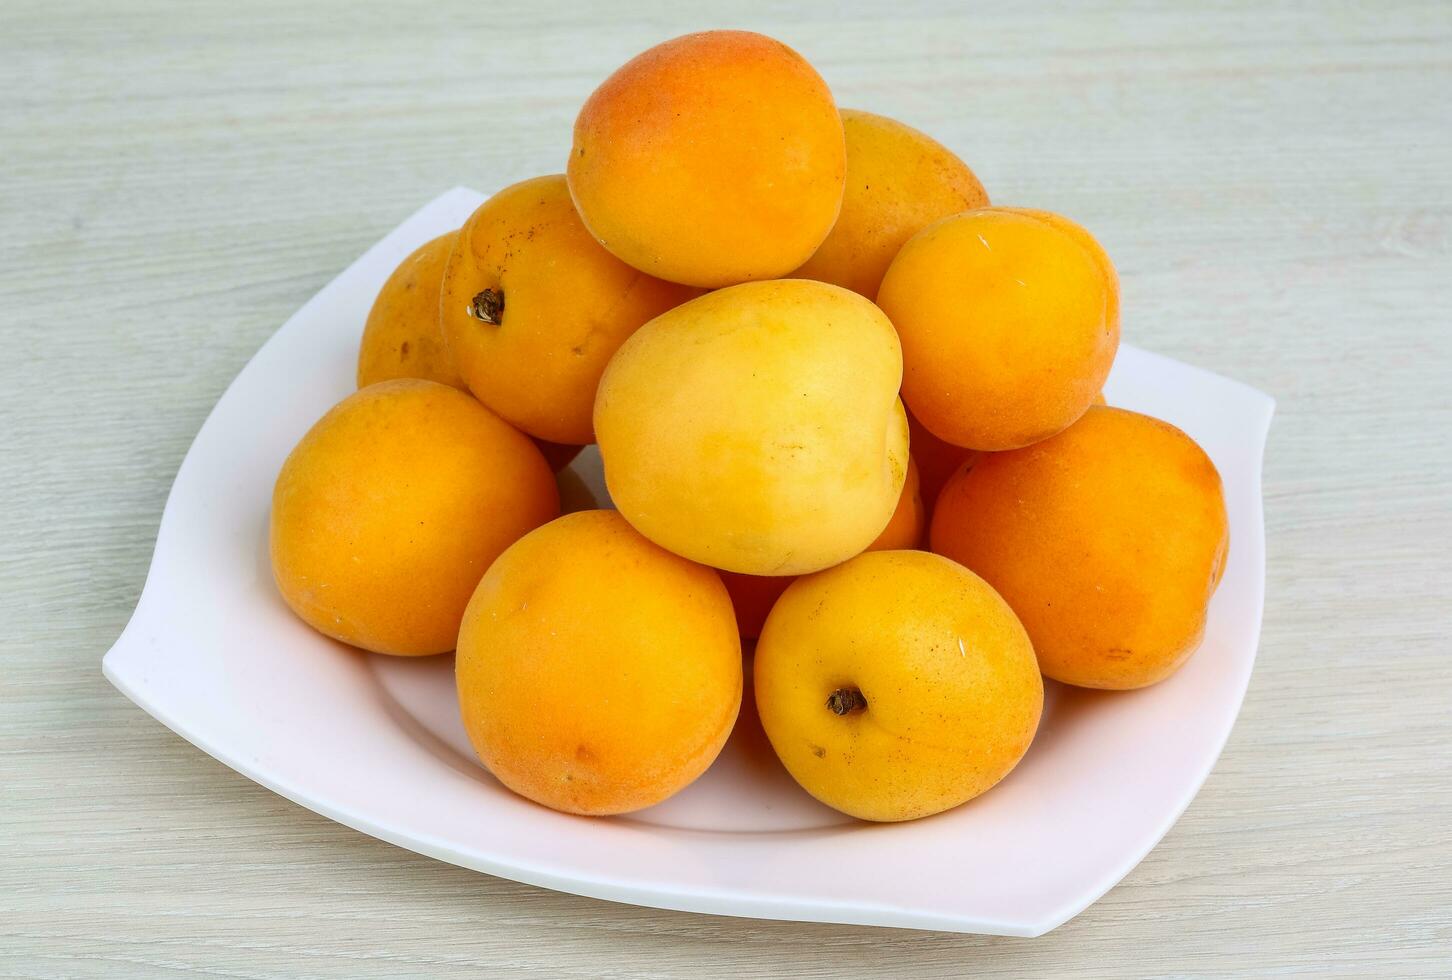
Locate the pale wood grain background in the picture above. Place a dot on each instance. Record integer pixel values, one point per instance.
(1274, 181)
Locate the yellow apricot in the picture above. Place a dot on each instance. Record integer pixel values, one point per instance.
(896, 685)
(402, 338)
(899, 181)
(757, 429)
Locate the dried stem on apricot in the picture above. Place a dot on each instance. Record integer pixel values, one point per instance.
(845, 700)
(488, 306)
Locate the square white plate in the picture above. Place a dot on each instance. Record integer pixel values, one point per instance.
(376, 743)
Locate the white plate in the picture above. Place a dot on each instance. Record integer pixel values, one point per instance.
(376, 743)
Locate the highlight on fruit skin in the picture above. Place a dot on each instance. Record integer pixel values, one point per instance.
(387, 512)
(597, 673)
(896, 685)
(711, 159)
(757, 429)
(533, 308)
(899, 181)
(1009, 324)
(1108, 540)
(402, 337)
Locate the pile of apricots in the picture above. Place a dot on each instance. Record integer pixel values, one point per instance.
(849, 414)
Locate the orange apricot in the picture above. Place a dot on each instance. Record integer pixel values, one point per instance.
(389, 510)
(533, 308)
(597, 673)
(402, 338)
(1008, 324)
(1107, 540)
(711, 159)
(1096, 251)
(899, 181)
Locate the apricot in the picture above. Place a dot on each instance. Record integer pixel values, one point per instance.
(597, 673)
(711, 159)
(899, 181)
(752, 596)
(389, 510)
(402, 338)
(533, 308)
(757, 429)
(1107, 540)
(1008, 322)
(896, 685)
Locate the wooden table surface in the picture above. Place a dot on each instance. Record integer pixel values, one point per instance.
(1274, 181)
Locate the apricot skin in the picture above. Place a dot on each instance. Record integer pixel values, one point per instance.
(752, 596)
(899, 181)
(1107, 540)
(952, 693)
(1009, 326)
(757, 429)
(389, 510)
(567, 306)
(402, 338)
(1096, 251)
(711, 159)
(597, 673)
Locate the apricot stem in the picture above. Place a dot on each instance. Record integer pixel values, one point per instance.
(845, 700)
(488, 306)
